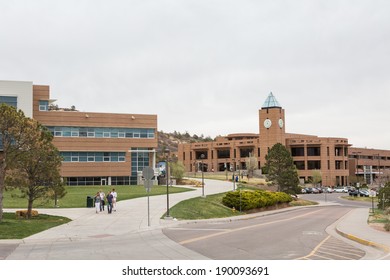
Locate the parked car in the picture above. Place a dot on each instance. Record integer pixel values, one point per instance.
(309, 190)
(353, 192)
(315, 190)
(339, 189)
(328, 190)
(364, 192)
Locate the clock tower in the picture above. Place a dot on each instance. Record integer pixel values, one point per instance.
(271, 126)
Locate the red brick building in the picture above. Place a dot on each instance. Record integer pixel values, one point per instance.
(333, 157)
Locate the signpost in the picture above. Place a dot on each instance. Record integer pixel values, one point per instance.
(372, 194)
(148, 174)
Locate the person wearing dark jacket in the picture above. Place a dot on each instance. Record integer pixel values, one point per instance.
(109, 202)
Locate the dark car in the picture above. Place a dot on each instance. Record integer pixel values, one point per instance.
(309, 190)
(353, 192)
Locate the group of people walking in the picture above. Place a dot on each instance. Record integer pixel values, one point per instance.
(101, 199)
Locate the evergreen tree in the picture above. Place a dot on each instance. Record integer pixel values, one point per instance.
(281, 169)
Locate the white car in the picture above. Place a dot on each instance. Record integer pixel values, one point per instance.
(339, 189)
(329, 190)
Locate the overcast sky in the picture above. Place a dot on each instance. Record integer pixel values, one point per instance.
(206, 67)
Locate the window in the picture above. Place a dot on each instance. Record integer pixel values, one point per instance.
(338, 151)
(9, 100)
(313, 164)
(300, 165)
(338, 164)
(43, 105)
(246, 152)
(223, 153)
(199, 153)
(313, 151)
(297, 152)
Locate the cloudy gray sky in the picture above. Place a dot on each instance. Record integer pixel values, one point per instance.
(206, 67)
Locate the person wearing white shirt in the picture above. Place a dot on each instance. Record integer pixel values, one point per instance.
(114, 196)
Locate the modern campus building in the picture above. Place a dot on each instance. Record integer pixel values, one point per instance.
(113, 149)
(97, 148)
(333, 157)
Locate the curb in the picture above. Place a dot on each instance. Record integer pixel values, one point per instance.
(365, 242)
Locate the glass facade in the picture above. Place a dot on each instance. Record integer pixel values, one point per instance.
(101, 132)
(139, 160)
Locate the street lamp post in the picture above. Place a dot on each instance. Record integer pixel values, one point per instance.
(379, 168)
(202, 157)
(234, 176)
(357, 167)
(167, 151)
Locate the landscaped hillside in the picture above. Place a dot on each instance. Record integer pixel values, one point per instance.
(172, 140)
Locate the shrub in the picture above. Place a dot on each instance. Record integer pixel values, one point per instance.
(23, 213)
(254, 199)
(384, 197)
(387, 225)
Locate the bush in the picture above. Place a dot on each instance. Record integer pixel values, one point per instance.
(384, 197)
(23, 213)
(254, 199)
(387, 226)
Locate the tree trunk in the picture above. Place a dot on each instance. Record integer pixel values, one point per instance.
(2, 187)
(29, 208)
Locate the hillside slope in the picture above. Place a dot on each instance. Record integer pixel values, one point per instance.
(172, 140)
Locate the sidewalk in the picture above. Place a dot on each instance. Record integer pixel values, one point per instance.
(125, 234)
(354, 226)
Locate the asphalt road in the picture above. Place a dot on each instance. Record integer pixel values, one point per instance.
(298, 234)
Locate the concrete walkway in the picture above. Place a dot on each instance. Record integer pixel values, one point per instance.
(125, 234)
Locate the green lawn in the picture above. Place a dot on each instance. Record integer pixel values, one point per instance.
(202, 208)
(77, 195)
(18, 228)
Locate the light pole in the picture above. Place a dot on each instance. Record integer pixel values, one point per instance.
(202, 157)
(234, 176)
(226, 169)
(357, 167)
(379, 164)
(167, 151)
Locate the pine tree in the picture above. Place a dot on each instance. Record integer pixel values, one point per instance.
(281, 169)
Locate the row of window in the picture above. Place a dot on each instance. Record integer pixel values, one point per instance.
(97, 132)
(97, 181)
(316, 151)
(93, 156)
(316, 164)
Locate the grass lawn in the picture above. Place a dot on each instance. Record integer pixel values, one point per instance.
(18, 228)
(77, 195)
(358, 198)
(202, 208)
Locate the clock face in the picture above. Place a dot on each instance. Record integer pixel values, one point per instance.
(281, 123)
(267, 123)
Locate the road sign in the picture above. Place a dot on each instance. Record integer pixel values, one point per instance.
(148, 173)
(148, 185)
